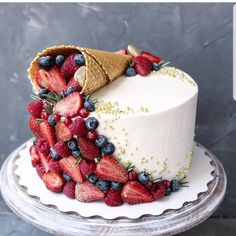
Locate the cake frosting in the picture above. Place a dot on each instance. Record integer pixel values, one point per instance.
(151, 120)
(111, 126)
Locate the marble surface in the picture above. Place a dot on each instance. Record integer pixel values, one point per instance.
(195, 37)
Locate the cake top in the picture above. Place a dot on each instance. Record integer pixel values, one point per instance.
(159, 91)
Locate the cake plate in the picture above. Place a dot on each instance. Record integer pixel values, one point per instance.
(50, 219)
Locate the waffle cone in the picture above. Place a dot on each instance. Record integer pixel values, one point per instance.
(102, 67)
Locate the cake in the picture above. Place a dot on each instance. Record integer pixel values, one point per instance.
(116, 127)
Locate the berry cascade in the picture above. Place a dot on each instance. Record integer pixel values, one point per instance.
(68, 153)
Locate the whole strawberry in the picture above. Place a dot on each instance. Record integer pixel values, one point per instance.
(69, 189)
(35, 109)
(142, 66)
(113, 198)
(42, 146)
(88, 149)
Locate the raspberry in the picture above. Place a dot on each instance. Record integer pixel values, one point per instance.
(133, 175)
(62, 149)
(42, 146)
(54, 166)
(77, 127)
(113, 198)
(69, 189)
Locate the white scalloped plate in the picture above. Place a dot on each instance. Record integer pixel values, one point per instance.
(199, 177)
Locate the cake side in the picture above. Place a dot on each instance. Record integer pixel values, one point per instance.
(151, 121)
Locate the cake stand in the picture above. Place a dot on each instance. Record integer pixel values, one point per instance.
(50, 219)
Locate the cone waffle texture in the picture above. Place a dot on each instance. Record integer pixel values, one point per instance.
(102, 67)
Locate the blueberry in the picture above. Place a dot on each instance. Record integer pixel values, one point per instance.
(72, 144)
(66, 177)
(62, 94)
(115, 185)
(59, 60)
(168, 192)
(54, 154)
(103, 185)
(79, 59)
(89, 105)
(101, 141)
(51, 120)
(45, 62)
(70, 90)
(109, 148)
(156, 66)
(76, 153)
(174, 185)
(130, 71)
(92, 178)
(43, 92)
(143, 177)
(91, 123)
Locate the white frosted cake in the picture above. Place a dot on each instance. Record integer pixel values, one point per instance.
(111, 126)
(151, 120)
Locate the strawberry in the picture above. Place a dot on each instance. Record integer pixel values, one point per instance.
(71, 168)
(42, 146)
(142, 66)
(69, 67)
(54, 166)
(111, 170)
(47, 132)
(134, 192)
(113, 198)
(87, 192)
(158, 190)
(62, 149)
(74, 83)
(88, 149)
(62, 132)
(35, 109)
(151, 57)
(40, 170)
(53, 181)
(122, 51)
(69, 189)
(87, 167)
(70, 105)
(77, 127)
(51, 80)
(35, 158)
(45, 161)
(34, 127)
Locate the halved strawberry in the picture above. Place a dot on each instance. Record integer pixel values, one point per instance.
(35, 109)
(62, 132)
(47, 132)
(74, 83)
(110, 169)
(51, 80)
(54, 166)
(88, 149)
(53, 181)
(151, 57)
(87, 167)
(134, 193)
(40, 170)
(45, 161)
(35, 158)
(71, 168)
(69, 67)
(87, 192)
(34, 127)
(70, 105)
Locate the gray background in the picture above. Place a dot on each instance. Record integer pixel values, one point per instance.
(195, 37)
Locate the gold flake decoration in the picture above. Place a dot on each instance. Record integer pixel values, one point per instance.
(113, 108)
(173, 72)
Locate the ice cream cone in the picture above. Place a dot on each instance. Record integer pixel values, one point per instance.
(102, 67)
